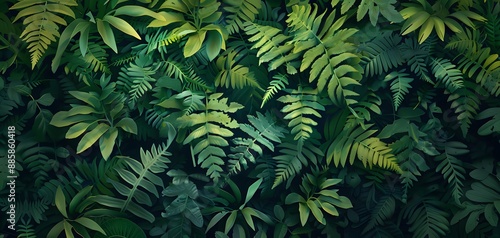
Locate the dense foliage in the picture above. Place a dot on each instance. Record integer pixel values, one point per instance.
(249, 118)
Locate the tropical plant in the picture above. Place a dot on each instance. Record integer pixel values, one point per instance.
(299, 118)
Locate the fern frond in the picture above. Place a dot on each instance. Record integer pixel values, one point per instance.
(417, 56)
(356, 142)
(384, 210)
(382, 54)
(210, 126)
(272, 48)
(41, 21)
(239, 12)
(447, 74)
(185, 73)
(452, 168)
(481, 65)
(234, 75)
(291, 160)
(160, 40)
(465, 103)
(465, 41)
(279, 82)
(25, 230)
(400, 86)
(492, 26)
(426, 217)
(143, 176)
(491, 126)
(300, 104)
(137, 77)
(262, 132)
(326, 52)
(95, 60)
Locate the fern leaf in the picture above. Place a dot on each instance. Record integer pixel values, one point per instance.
(400, 86)
(382, 54)
(262, 132)
(185, 73)
(465, 103)
(140, 177)
(300, 104)
(210, 126)
(138, 77)
(417, 56)
(426, 218)
(240, 11)
(279, 82)
(291, 160)
(272, 47)
(452, 168)
(326, 52)
(95, 60)
(384, 210)
(465, 41)
(480, 65)
(447, 73)
(492, 26)
(42, 23)
(233, 74)
(25, 230)
(356, 142)
(491, 126)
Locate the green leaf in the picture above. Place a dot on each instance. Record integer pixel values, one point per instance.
(107, 142)
(128, 125)
(60, 200)
(316, 212)
(303, 213)
(121, 25)
(46, 99)
(107, 34)
(230, 221)
(86, 222)
(91, 137)
(194, 43)
(252, 190)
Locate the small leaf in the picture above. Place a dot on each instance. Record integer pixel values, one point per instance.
(46, 99)
(128, 125)
(252, 190)
(230, 221)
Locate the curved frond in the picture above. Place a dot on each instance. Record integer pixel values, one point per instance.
(263, 133)
(279, 82)
(137, 78)
(356, 142)
(452, 168)
(271, 46)
(447, 74)
(481, 65)
(465, 103)
(41, 21)
(291, 160)
(426, 217)
(210, 126)
(326, 52)
(233, 74)
(382, 54)
(301, 104)
(240, 12)
(400, 85)
(140, 177)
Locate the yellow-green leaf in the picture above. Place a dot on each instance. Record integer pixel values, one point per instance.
(194, 43)
(90, 138)
(107, 142)
(60, 201)
(128, 125)
(107, 34)
(122, 25)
